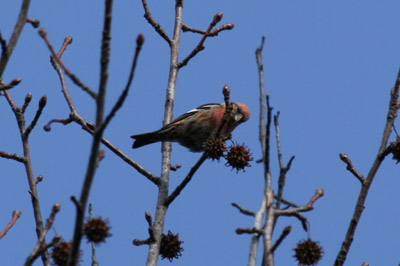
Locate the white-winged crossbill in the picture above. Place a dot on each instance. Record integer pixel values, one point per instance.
(192, 129)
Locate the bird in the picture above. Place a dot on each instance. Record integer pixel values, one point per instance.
(195, 127)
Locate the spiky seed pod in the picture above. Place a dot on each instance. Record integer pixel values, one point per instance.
(308, 252)
(214, 148)
(60, 253)
(396, 150)
(238, 157)
(170, 247)
(96, 230)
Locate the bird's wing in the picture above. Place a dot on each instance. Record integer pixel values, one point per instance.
(201, 108)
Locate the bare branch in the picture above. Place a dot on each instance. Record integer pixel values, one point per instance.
(42, 104)
(290, 212)
(284, 234)
(122, 97)
(351, 168)
(15, 215)
(213, 33)
(28, 99)
(217, 18)
(75, 79)
(243, 210)
(40, 245)
(253, 230)
(10, 85)
(391, 116)
(185, 181)
(12, 156)
(155, 25)
(8, 49)
(262, 95)
(94, 261)
(73, 257)
(19, 115)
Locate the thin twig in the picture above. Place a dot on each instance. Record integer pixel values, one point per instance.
(73, 257)
(94, 261)
(391, 116)
(217, 18)
(10, 85)
(266, 156)
(213, 33)
(155, 25)
(243, 210)
(283, 169)
(310, 205)
(28, 99)
(8, 49)
(19, 115)
(351, 168)
(286, 202)
(12, 156)
(74, 78)
(40, 245)
(185, 181)
(284, 234)
(253, 230)
(42, 104)
(124, 94)
(15, 215)
(262, 94)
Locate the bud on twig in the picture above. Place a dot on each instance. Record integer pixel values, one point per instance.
(42, 102)
(140, 39)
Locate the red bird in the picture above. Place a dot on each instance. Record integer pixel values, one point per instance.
(192, 129)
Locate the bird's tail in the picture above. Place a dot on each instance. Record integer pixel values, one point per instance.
(144, 139)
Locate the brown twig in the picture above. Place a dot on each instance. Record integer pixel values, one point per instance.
(284, 234)
(19, 115)
(185, 181)
(217, 18)
(391, 116)
(213, 33)
(351, 168)
(94, 260)
(73, 257)
(253, 230)
(243, 210)
(124, 94)
(138, 242)
(283, 169)
(8, 49)
(40, 245)
(74, 78)
(28, 99)
(10, 85)
(155, 25)
(12, 156)
(42, 104)
(15, 215)
(260, 66)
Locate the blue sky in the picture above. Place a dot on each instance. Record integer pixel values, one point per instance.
(329, 67)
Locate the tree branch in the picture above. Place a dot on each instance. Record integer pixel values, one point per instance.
(73, 257)
(155, 25)
(391, 116)
(15, 215)
(217, 18)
